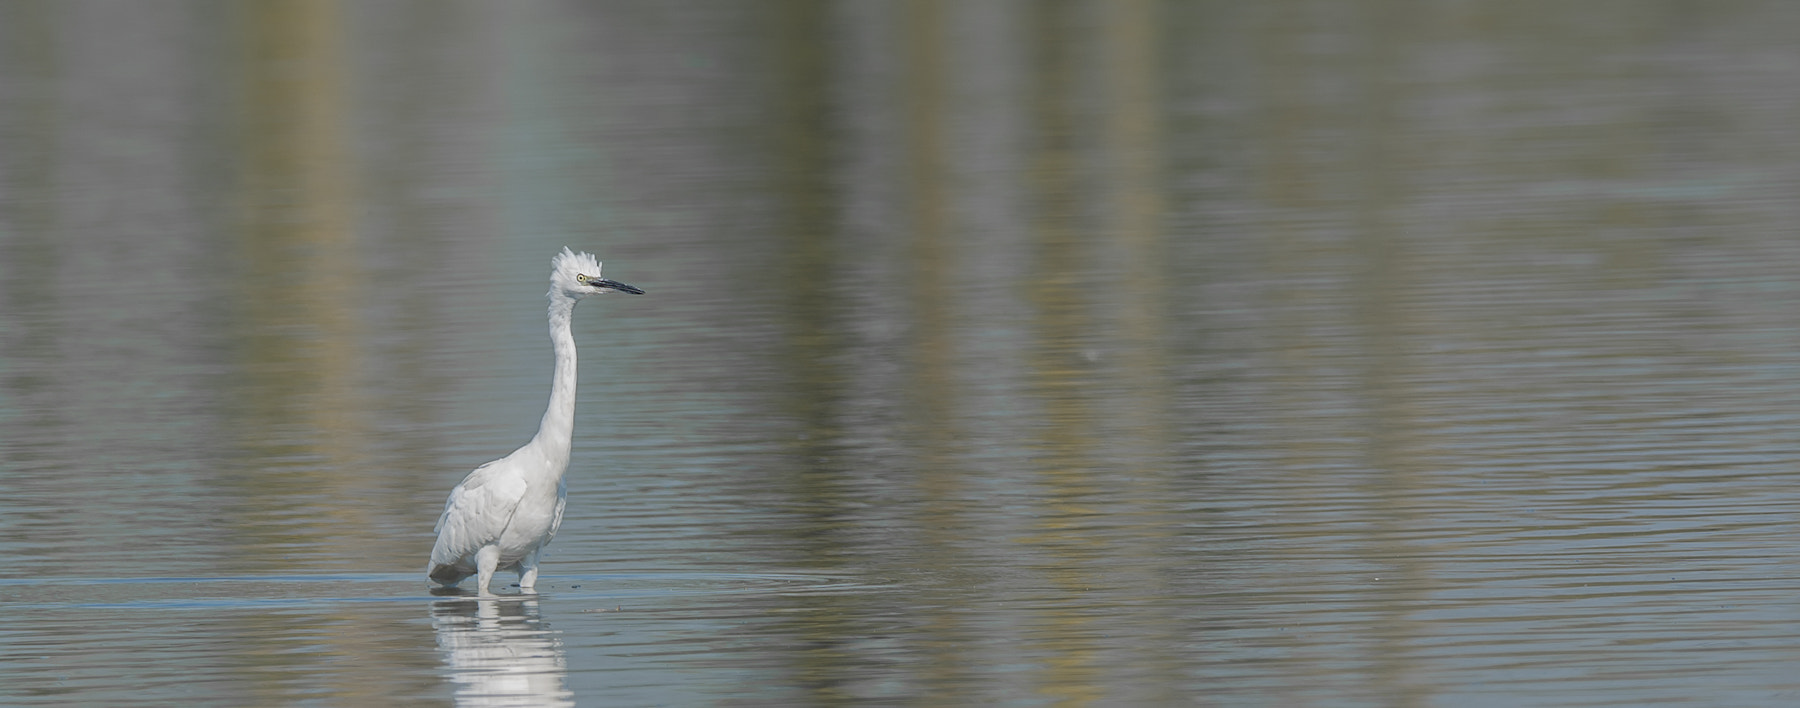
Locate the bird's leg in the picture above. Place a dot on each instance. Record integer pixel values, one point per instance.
(528, 571)
(486, 560)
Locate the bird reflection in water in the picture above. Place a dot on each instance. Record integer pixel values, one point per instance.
(499, 652)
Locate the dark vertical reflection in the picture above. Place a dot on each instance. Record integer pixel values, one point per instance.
(930, 398)
(1131, 143)
(1286, 182)
(407, 89)
(1380, 273)
(312, 491)
(1061, 359)
(425, 70)
(299, 300)
(104, 119)
(32, 324)
(298, 285)
(30, 333)
(1139, 413)
(824, 658)
(927, 110)
(1310, 270)
(803, 140)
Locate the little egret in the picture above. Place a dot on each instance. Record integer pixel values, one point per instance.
(503, 514)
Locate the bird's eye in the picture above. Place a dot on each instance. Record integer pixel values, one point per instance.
(583, 278)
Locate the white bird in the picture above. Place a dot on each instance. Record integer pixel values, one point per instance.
(503, 514)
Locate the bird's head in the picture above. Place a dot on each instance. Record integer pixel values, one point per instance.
(577, 275)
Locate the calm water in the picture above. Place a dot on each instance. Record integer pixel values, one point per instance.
(1009, 353)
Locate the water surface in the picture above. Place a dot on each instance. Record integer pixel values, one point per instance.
(1001, 353)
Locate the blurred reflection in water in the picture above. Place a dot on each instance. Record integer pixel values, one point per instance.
(499, 652)
(1119, 351)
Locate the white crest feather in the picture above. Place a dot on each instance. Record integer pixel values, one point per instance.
(568, 264)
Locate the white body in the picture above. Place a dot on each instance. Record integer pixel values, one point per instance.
(500, 518)
(503, 514)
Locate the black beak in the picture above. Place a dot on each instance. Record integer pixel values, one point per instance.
(616, 285)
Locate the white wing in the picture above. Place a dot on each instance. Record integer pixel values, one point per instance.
(476, 512)
(562, 497)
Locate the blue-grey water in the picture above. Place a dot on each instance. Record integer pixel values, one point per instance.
(1008, 353)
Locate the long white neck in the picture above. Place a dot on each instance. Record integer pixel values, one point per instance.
(554, 433)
